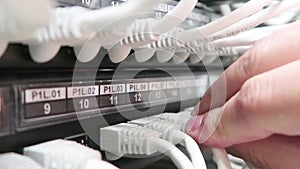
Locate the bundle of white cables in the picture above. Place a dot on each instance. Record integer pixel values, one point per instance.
(232, 30)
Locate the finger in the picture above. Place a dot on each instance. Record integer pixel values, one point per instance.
(266, 104)
(280, 48)
(275, 152)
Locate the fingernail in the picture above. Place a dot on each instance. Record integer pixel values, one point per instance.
(195, 110)
(202, 127)
(210, 122)
(194, 124)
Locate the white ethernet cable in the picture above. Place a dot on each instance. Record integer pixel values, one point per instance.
(151, 31)
(168, 46)
(243, 39)
(165, 48)
(255, 19)
(192, 36)
(73, 26)
(249, 8)
(175, 17)
(3, 46)
(189, 109)
(221, 158)
(140, 31)
(208, 57)
(246, 24)
(18, 20)
(168, 40)
(236, 162)
(63, 154)
(230, 46)
(195, 58)
(233, 51)
(91, 21)
(17, 161)
(284, 18)
(180, 57)
(165, 55)
(178, 119)
(181, 119)
(171, 133)
(125, 138)
(61, 30)
(197, 55)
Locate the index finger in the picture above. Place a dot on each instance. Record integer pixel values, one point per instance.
(267, 104)
(278, 49)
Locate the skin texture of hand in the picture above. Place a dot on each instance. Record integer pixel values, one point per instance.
(260, 120)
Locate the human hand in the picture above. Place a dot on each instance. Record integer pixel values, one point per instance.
(260, 120)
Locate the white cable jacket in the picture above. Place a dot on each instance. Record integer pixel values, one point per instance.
(73, 26)
(96, 19)
(180, 57)
(236, 160)
(221, 158)
(246, 10)
(164, 56)
(195, 153)
(62, 153)
(132, 139)
(143, 55)
(98, 164)
(192, 149)
(3, 46)
(44, 52)
(246, 38)
(239, 41)
(158, 27)
(175, 17)
(17, 161)
(256, 19)
(19, 18)
(178, 158)
(170, 132)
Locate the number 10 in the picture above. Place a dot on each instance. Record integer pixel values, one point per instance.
(86, 2)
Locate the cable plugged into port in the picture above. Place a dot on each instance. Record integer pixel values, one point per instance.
(179, 119)
(63, 154)
(138, 137)
(150, 30)
(171, 132)
(132, 139)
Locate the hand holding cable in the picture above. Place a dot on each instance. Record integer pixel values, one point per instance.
(260, 115)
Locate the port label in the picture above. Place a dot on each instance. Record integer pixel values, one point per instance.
(44, 94)
(112, 89)
(157, 85)
(137, 87)
(83, 91)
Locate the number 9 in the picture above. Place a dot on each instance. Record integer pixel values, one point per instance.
(47, 108)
